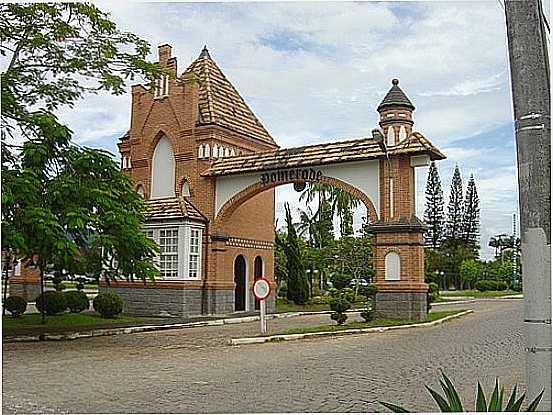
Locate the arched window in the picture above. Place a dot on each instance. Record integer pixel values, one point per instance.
(201, 152)
(392, 267)
(227, 152)
(207, 153)
(232, 153)
(215, 151)
(140, 190)
(163, 170)
(221, 151)
(402, 133)
(185, 189)
(390, 141)
(258, 268)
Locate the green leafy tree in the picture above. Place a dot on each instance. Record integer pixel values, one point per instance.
(60, 202)
(353, 256)
(471, 217)
(297, 287)
(434, 210)
(321, 231)
(454, 224)
(343, 204)
(471, 271)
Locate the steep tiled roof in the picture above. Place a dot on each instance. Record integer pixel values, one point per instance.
(395, 97)
(173, 208)
(320, 154)
(221, 104)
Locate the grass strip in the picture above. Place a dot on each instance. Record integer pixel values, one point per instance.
(432, 316)
(69, 320)
(478, 294)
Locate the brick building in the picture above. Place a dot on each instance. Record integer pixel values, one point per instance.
(208, 168)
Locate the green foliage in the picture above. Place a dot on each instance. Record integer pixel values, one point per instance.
(490, 285)
(369, 291)
(433, 295)
(471, 217)
(434, 208)
(340, 302)
(353, 256)
(297, 287)
(65, 206)
(76, 301)
(108, 304)
(368, 313)
(52, 302)
(471, 270)
(16, 305)
(454, 224)
(451, 402)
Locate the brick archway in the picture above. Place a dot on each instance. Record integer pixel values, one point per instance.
(238, 199)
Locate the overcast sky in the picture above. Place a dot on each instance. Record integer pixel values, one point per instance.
(316, 72)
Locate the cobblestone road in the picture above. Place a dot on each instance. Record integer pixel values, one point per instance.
(194, 371)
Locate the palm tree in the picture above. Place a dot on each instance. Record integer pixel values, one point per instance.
(343, 204)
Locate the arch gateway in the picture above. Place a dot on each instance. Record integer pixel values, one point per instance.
(208, 168)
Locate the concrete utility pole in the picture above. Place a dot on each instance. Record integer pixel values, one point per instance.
(531, 100)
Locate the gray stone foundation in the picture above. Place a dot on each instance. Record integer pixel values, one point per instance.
(405, 306)
(178, 302)
(28, 291)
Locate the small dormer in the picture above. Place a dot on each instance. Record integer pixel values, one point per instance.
(396, 115)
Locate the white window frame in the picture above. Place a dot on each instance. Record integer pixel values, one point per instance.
(183, 249)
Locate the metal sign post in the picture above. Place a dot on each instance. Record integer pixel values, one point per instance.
(261, 290)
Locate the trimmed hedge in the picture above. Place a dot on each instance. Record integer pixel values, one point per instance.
(76, 301)
(16, 305)
(108, 304)
(490, 285)
(54, 302)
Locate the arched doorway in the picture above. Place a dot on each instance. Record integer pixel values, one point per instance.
(240, 281)
(257, 273)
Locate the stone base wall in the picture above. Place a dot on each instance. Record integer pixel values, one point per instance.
(405, 306)
(173, 302)
(29, 291)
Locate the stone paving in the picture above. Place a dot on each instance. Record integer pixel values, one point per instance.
(195, 371)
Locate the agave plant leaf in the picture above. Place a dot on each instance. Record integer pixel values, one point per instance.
(481, 405)
(394, 408)
(452, 395)
(512, 400)
(495, 405)
(517, 404)
(534, 404)
(442, 403)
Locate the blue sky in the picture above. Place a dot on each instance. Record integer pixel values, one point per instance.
(315, 72)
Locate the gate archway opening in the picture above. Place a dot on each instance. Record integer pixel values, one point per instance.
(240, 279)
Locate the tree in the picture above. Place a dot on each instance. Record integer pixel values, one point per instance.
(297, 287)
(354, 257)
(470, 271)
(343, 204)
(434, 211)
(62, 203)
(471, 217)
(454, 225)
(322, 228)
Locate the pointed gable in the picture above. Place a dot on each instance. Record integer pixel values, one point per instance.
(395, 98)
(221, 104)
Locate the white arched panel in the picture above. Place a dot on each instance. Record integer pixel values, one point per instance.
(402, 133)
(390, 137)
(207, 153)
(185, 189)
(215, 151)
(392, 267)
(140, 190)
(163, 170)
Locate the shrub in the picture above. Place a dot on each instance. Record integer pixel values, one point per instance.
(340, 281)
(108, 304)
(320, 299)
(15, 305)
(368, 313)
(367, 290)
(76, 301)
(340, 302)
(54, 302)
(490, 285)
(79, 286)
(282, 289)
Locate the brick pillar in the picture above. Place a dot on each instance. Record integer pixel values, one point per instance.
(26, 284)
(401, 292)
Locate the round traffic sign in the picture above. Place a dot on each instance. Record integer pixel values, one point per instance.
(261, 288)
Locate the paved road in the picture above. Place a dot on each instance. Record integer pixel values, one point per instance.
(193, 371)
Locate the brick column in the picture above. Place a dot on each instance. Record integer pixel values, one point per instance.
(27, 284)
(403, 298)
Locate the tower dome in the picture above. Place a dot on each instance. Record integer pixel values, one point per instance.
(396, 115)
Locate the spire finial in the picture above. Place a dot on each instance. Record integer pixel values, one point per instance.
(395, 81)
(205, 53)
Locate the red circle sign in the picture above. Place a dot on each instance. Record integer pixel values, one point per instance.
(261, 288)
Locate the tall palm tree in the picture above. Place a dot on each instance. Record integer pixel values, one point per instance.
(343, 204)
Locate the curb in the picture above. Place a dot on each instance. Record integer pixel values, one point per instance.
(288, 337)
(473, 300)
(148, 328)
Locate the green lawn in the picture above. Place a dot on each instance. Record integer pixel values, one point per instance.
(478, 294)
(69, 320)
(282, 307)
(432, 316)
